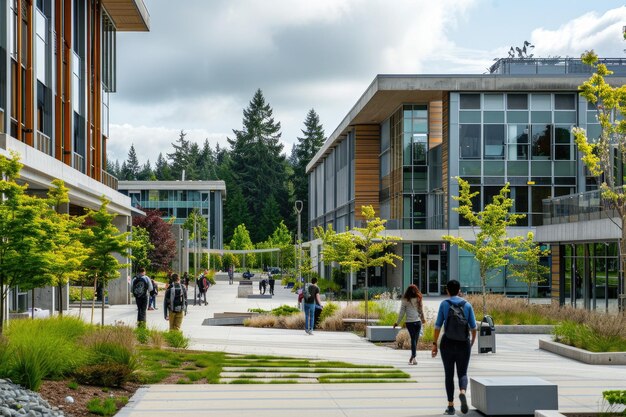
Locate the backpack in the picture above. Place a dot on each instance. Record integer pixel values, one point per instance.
(456, 327)
(177, 298)
(307, 293)
(155, 289)
(140, 287)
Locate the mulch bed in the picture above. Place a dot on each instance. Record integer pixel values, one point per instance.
(55, 392)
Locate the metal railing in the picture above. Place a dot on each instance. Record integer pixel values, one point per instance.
(576, 208)
(78, 162)
(109, 180)
(520, 66)
(43, 143)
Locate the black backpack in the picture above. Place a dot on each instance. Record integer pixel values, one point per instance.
(177, 298)
(140, 287)
(456, 327)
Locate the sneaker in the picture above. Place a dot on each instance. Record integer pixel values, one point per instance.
(449, 411)
(464, 408)
(150, 308)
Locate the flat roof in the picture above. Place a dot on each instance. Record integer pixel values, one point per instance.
(388, 91)
(217, 185)
(128, 15)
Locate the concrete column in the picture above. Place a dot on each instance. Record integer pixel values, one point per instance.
(177, 264)
(394, 275)
(119, 289)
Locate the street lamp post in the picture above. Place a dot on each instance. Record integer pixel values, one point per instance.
(298, 207)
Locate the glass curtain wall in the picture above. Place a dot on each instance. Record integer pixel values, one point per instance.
(520, 138)
(590, 275)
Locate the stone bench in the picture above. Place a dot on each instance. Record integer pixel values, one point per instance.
(244, 291)
(381, 333)
(513, 395)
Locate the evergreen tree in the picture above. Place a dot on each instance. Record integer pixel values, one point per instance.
(235, 211)
(130, 168)
(182, 159)
(270, 217)
(194, 163)
(145, 174)
(111, 167)
(302, 153)
(257, 163)
(162, 170)
(207, 163)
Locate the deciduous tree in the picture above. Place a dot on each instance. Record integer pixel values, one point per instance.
(529, 269)
(161, 237)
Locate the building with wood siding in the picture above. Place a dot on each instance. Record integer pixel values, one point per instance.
(57, 70)
(407, 137)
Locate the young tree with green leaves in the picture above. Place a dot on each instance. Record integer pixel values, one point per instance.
(143, 247)
(25, 243)
(104, 241)
(492, 246)
(241, 241)
(68, 252)
(529, 269)
(602, 155)
(362, 248)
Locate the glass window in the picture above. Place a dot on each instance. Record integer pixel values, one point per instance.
(565, 117)
(520, 199)
(494, 168)
(494, 141)
(420, 149)
(494, 101)
(517, 168)
(493, 117)
(538, 195)
(541, 141)
(541, 102)
(469, 168)
(469, 117)
(517, 101)
(469, 141)
(518, 142)
(517, 116)
(565, 102)
(541, 117)
(489, 193)
(470, 101)
(407, 149)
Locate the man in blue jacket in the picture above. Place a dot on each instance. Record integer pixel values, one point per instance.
(457, 318)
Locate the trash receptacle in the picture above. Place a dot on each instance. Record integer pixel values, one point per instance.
(486, 335)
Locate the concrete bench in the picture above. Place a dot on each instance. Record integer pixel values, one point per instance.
(353, 321)
(244, 291)
(381, 333)
(513, 395)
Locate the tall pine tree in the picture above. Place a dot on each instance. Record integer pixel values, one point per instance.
(130, 168)
(162, 169)
(257, 163)
(302, 153)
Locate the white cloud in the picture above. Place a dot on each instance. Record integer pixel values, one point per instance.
(602, 32)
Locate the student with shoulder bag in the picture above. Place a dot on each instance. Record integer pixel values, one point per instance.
(175, 303)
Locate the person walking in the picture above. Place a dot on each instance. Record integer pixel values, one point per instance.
(185, 280)
(153, 295)
(412, 307)
(231, 274)
(203, 286)
(175, 303)
(141, 286)
(456, 316)
(271, 281)
(311, 298)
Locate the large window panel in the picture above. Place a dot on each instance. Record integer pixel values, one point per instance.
(518, 142)
(538, 194)
(563, 143)
(517, 101)
(420, 149)
(494, 141)
(469, 141)
(565, 102)
(470, 101)
(541, 145)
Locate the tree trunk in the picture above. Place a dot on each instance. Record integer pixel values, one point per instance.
(102, 315)
(80, 304)
(60, 300)
(2, 300)
(32, 304)
(483, 283)
(366, 296)
(93, 301)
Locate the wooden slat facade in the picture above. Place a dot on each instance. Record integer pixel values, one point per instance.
(556, 274)
(435, 124)
(445, 154)
(366, 168)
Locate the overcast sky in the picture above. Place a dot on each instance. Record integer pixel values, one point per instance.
(198, 67)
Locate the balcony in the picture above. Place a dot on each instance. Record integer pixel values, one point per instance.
(533, 66)
(78, 162)
(109, 180)
(43, 143)
(577, 208)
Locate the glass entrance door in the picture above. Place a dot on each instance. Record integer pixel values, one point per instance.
(433, 275)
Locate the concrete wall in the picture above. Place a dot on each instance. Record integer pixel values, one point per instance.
(119, 289)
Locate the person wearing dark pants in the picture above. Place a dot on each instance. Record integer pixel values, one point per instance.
(456, 316)
(271, 282)
(412, 307)
(141, 286)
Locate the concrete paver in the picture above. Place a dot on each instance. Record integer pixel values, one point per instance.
(580, 385)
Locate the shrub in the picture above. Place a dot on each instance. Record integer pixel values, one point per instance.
(103, 375)
(591, 337)
(616, 398)
(176, 339)
(106, 407)
(329, 310)
(111, 345)
(88, 294)
(263, 320)
(285, 310)
(142, 334)
(359, 293)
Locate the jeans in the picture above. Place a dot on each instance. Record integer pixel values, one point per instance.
(455, 353)
(414, 331)
(309, 316)
(142, 306)
(152, 302)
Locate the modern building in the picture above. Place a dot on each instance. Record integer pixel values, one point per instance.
(407, 137)
(57, 70)
(176, 200)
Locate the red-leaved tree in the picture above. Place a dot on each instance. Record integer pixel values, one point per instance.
(161, 237)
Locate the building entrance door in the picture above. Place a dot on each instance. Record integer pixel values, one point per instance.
(433, 274)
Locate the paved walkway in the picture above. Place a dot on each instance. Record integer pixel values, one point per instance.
(580, 385)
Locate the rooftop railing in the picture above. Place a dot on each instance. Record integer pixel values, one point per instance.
(109, 180)
(534, 66)
(577, 208)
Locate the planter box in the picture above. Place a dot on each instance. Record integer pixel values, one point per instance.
(511, 395)
(381, 333)
(581, 355)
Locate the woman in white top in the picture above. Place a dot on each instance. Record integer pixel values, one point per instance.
(412, 308)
